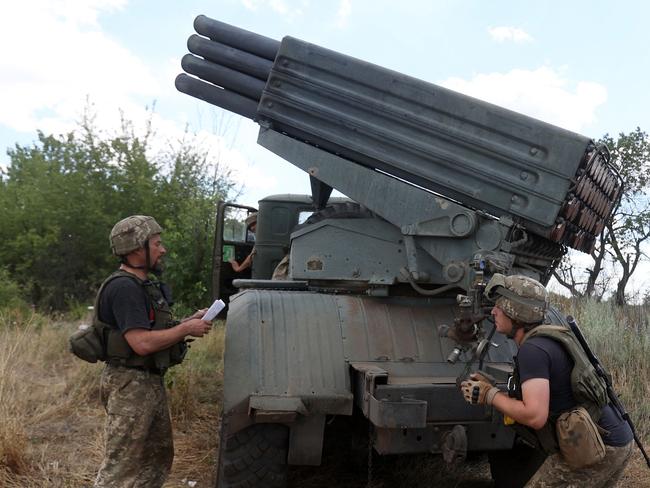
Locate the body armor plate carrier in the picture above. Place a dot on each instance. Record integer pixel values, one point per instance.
(589, 389)
(106, 343)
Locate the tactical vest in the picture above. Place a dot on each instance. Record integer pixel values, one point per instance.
(117, 350)
(589, 389)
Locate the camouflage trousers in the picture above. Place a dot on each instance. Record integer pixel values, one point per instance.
(139, 449)
(555, 473)
(281, 271)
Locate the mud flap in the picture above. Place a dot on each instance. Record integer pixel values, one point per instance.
(306, 440)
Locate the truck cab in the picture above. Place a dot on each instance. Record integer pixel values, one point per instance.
(278, 216)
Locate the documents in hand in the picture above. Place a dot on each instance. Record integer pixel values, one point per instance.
(216, 307)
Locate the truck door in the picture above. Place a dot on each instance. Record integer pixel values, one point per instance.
(232, 240)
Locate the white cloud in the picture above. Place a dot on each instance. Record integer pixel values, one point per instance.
(244, 172)
(65, 61)
(502, 34)
(542, 93)
(251, 4)
(286, 9)
(62, 58)
(343, 13)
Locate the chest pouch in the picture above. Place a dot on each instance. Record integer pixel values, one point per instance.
(159, 295)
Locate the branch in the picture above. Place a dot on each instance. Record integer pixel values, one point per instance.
(571, 286)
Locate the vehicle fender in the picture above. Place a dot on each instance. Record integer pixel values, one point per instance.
(284, 356)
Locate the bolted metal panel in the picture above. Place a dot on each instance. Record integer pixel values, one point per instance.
(377, 329)
(297, 344)
(401, 414)
(330, 250)
(478, 153)
(445, 402)
(400, 335)
(285, 344)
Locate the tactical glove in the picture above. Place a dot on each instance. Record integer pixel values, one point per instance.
(483, 376)
(478, 391)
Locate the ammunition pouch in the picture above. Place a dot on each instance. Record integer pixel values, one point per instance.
(579, 439)
(171, 356)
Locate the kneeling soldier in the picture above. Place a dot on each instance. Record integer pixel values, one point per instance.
(543, 392)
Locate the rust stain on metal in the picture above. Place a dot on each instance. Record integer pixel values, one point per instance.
(314, 264)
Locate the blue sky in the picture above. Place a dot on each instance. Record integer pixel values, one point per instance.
(582, 65)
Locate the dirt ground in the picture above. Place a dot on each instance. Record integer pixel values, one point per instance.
(68, 451)
(57, 441)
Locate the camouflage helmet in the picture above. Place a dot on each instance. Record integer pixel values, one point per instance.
(251, 219)
(521, 298)
(131, 233)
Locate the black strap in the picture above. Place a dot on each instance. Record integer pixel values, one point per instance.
(531, 302)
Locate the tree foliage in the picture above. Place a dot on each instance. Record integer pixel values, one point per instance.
(61, 195)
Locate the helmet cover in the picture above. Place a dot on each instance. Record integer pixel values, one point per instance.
(251, 219)
(520, 297)
(131, 233)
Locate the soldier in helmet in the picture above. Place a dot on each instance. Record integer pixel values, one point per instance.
(542, 388)
(141, 344)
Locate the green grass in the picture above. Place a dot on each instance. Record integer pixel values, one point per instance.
(620, 339)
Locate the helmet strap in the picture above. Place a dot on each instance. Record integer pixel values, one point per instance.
(513, 330)
(146, 266)
(530, 302)
(147, 257)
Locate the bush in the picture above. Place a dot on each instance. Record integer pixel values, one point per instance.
(61, 196)
(10, 292)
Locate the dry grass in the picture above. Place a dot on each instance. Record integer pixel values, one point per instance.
(51, 421)
(621, 340)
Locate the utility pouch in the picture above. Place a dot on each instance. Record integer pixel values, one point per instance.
(175, 355)
(579, 439)
(88, 344)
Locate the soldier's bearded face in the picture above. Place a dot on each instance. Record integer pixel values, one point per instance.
(156, 253)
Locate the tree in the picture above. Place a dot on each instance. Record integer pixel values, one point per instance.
(60, 196)
(629, 229)
(590, 277)
(52, 212)
(620, 247)
(188, 209)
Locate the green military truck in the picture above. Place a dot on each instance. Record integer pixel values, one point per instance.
(382, 311)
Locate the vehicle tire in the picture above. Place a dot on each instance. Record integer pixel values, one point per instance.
(513, 468)
(255, 457)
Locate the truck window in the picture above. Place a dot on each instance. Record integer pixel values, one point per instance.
(234, 228)
(304, 215)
